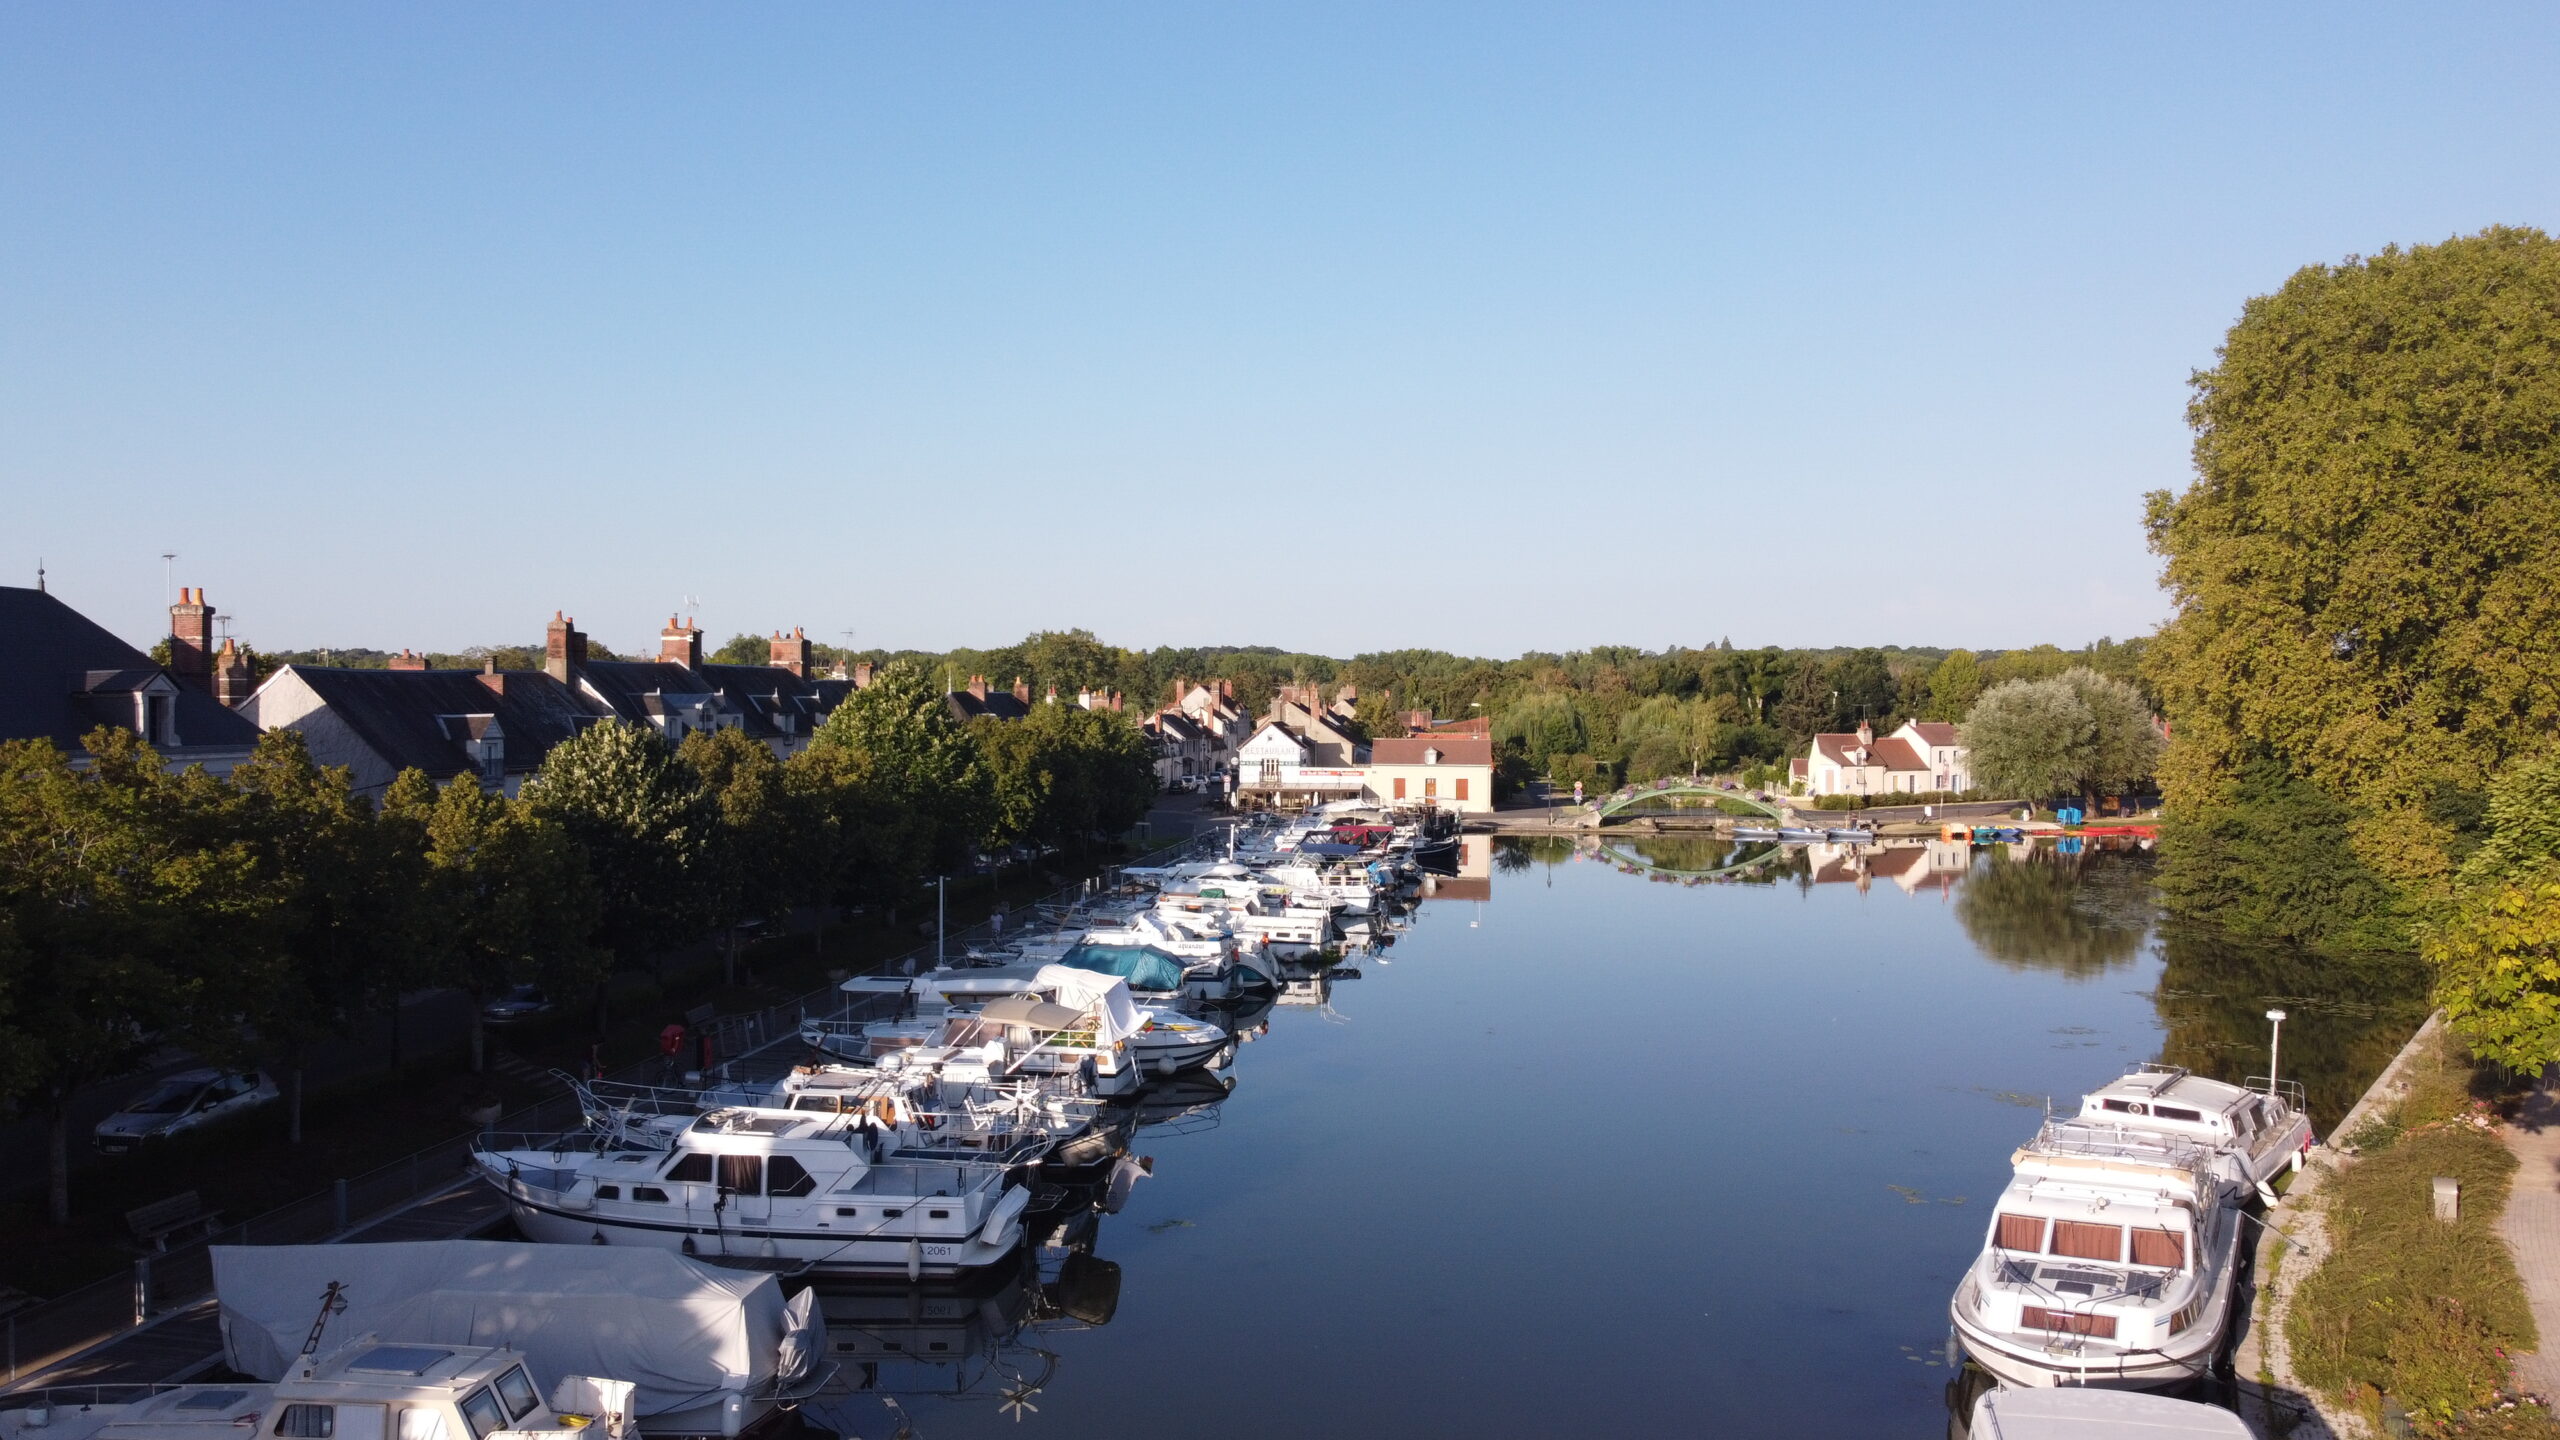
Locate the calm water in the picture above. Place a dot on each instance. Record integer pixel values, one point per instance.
(1616, 1153)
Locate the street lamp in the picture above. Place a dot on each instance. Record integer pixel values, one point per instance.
(2275, 1045)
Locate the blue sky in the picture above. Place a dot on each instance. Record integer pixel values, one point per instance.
(1339, 327)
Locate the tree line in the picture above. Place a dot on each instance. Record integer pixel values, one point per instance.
(251, 917)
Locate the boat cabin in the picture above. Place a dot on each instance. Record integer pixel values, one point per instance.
(2214, 1113)
(365, 1391)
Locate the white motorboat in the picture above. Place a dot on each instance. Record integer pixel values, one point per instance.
(2075, 1414)
(1084, 1031)
(368, 1390)
(2111, 1261)
(944, 1104)
(749, 1185)
(2264, 1127)
(749, 1352)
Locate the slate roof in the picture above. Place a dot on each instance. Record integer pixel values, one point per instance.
(764, 695)
(421, 718)
(1002, 704)
(55, 656)
(635, 689)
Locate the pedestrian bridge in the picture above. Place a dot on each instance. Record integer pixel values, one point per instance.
(1741, 858)
(1612, 803)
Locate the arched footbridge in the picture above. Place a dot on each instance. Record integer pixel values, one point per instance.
(1617, 800)
(1739, 859)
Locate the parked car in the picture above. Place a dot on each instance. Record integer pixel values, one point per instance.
(521, 1002)
(181, 1103)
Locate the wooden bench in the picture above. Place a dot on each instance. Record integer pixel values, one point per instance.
(160, 1221)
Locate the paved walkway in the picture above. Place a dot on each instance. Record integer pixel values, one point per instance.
(2532, 1230)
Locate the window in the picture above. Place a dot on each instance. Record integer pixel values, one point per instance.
(2068, 1322)
(891, 1214)
(1399, 787)
(516, 1389)
(848, 1212)
(308, 1422)
(695, 1168)
(1430, 789)
(2126, 1107)
(2020, 1232)
(418, 1422)
(938, 1214)
(2083, 1241)
(742, 1174)
(788, 1179)
(480, 1411)
(1462, 787)
(2173, 1112)
(608, 1192)
(2164, 1248)
(650, 1193)
(826, 1103)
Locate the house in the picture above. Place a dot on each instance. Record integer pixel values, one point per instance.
(967, 705)
(1297, 758)
(1441, 771)
(64, 675)
(1923, 755)
(1183, 749)
(495, 726)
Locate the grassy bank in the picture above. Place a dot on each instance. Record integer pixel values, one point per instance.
(2410, 1313)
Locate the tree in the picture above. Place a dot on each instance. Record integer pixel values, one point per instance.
(646, 828)
(742, 650)
(1954, 686)
(904, 781)
(762, 860)
(1864, 682)
(1064, 774)
(1544, 725)
(2366, 570)
(507, 901)
(2077, 734)
(2261, 861)
(2496, 953)
(340, 937)
(130, 906)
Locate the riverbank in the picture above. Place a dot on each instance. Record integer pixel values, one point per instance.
(2371, 1311)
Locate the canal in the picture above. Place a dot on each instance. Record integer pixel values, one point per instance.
(1600, 1146)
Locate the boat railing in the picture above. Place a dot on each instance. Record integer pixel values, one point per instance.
(72, 1397)
(2084, 1139)
(2289, 1091)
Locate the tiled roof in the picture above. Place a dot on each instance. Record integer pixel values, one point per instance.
(1934, 732)
(1454, 749)
(54, 655)
(419, 719)
(1889, 753)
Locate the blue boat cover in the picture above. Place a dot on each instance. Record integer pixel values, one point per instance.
(1143, 966)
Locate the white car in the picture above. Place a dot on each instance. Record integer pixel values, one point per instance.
(181, 1103)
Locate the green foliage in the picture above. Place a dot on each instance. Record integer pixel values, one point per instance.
(2424, 1310)
(1890, 801)
(508, 897)
(1953, 686)
(2079, 733)
(905, 782)
(770, 845)
(645, 826)
(2367, 567)
(1065, 775)
(1543, 727)
(2495, 949)
(2262, 859)
(742, 650)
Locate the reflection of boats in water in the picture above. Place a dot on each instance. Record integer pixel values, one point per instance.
(984, 1339)
(1186, 1102)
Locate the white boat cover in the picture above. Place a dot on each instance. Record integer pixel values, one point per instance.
(1106, 994)
(2072, 1412)
(680, 1330)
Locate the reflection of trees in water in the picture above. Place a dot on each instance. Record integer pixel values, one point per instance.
(2344, 1016)
(1515, 854)
(2081, 915)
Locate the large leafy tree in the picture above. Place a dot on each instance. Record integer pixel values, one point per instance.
(1064, 774)
(131, 908)
(903, 781)
(2367, 567)
(640, 816)
(2495, 951)
(769, 850)
(2078, 734)
(507, 898)
(342, 939)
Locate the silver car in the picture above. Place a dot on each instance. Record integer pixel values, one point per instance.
(181, 1103)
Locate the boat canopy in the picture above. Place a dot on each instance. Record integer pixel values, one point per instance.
(680, 1330)
(1143, 966)
(1031, 1012)
(1106, 996)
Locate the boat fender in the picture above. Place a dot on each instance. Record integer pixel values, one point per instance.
(915, 1259)
(733, 1414)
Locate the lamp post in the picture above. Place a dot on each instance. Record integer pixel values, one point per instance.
(941, 914)
(2275, 1046)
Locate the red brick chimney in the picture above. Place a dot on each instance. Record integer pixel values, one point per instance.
(680, 643)
(406, 661)
(490, 676)
(1053, 694)
(191, 640)
(1021, 690)
(232, 678)
(564, 649)
(1115, 702)
(978, 687)
(862, 675)
(792, 652)
(1866, 733)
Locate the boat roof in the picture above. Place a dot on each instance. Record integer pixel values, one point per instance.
(2082, 1413)
(364, 1368)
(2101, 1202)
(2153, 1083)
